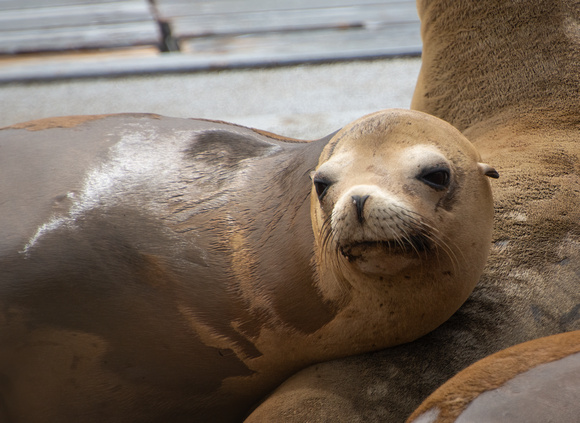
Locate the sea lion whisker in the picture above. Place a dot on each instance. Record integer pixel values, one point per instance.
(440, 243)
(333, 254)
(327, 232)
(408, 238)
(417, 223)
(391, 231)
(414, 225)
(411, 242)
(329, 236)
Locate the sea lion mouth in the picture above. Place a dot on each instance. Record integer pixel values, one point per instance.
(409, 245)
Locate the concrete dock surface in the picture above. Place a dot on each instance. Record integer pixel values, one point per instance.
(304, 101)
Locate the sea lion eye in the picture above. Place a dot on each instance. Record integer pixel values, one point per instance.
(436, 178)
(321, 186)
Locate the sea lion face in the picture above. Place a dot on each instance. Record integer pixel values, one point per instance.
(382, 218)
(399, 199)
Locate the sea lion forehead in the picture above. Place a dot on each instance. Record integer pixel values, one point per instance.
(394, 129)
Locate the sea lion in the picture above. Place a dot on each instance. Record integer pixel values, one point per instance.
(537, 381)
(161, 269)
(505, 74)
(392, 196)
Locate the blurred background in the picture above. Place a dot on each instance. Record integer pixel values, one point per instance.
(300, 68)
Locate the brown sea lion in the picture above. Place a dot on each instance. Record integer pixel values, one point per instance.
(506, 74)
(534, 382)
(160, 269)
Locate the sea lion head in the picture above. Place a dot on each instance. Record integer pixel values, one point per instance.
(402, 208)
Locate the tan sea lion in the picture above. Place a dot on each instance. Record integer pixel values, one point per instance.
(160, 269)
(506, 74)
(534, 382)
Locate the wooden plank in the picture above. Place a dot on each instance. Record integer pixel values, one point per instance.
(85, 37)
(306, 46)
(54, 25)
(76, 15)
(32, 4)
(292, 20)
(206, 60)
(214, 33)
(172, 8)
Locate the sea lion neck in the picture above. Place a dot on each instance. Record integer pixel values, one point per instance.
(476, 61)
(290, 263)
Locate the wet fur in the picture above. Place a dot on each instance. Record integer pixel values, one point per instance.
(129, 287)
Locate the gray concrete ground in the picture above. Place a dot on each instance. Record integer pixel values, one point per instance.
(307, 101)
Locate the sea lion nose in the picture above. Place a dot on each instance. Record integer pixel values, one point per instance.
(359, 202)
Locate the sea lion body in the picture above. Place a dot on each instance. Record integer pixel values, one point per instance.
(120, 264)
(505, 74)
(161, 269)
(537, 381)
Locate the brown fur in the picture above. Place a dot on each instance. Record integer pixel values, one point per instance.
(504, 59)
(275, 136)
(494, 371)
(60, 122)
(506, 74)
(141, 308)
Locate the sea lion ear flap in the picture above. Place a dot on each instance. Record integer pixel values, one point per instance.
(487, 170)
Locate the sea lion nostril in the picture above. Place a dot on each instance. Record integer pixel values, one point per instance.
(359, 202)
